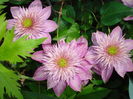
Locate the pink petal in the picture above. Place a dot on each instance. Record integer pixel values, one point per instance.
(128, 18)
(85, 65)
(75, 83)
(46, 47)
(49, 26)
(40, 74)
(15, 11)
(129, 44)
(106, 73)
(82, 46)
(51, 82)
(84, 75)
(46, 12)
(116, 33)
(36, 3)
(59, 88)
(98, 37)
(124, 66)
(120, 69)
(129, 65)
(38, 56)
(48, 40)
(90, 56)
(85, 82)
(10, 23)
(97, 69)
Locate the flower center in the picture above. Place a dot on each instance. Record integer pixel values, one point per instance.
(62, 62)
(112, 50)
(27, 22)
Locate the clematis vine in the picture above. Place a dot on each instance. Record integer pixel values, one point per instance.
(63, 64)
(110, 52)
(32, 21)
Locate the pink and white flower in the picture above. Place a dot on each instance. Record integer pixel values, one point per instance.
(32, 21)
(63, 65)
(110, 52)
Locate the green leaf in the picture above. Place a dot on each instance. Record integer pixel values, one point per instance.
(114, 12)
(131, 88)
(9, 84)
(73, 32)
(93, 92)
(12, 50)
(36, 95)
(2, 26)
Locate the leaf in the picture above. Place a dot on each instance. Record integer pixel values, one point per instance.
(73, 32)
(2, 26)
(114, 12)
(131, 88)
(93, 93)
(36, 95)
(9, 84)
(12, 50)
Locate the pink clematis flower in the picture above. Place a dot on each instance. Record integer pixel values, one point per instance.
(63, 65)
(110, 51)
(32, 21)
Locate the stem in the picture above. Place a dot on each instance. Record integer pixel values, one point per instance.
(60, 13)
(26, 77)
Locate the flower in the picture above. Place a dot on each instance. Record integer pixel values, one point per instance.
(32, 21)
(110, 51)
(63, 64)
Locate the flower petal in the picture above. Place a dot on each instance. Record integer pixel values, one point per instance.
(120, 69)
(51, 82)
(124, 66)
(38, 56)
(90, 56)
(59, 88)
(98, 37)
(10, 23)
(40, 74)
(36, 3)
(82, 46)
(97, 69)
(46, 47)
(106, 73)
(128, 18)
(84, 75)
(15, 11)
(46, 12)
(48, 40)
(116, 33)
(49, 26)
(129, 44)
(75, 83)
